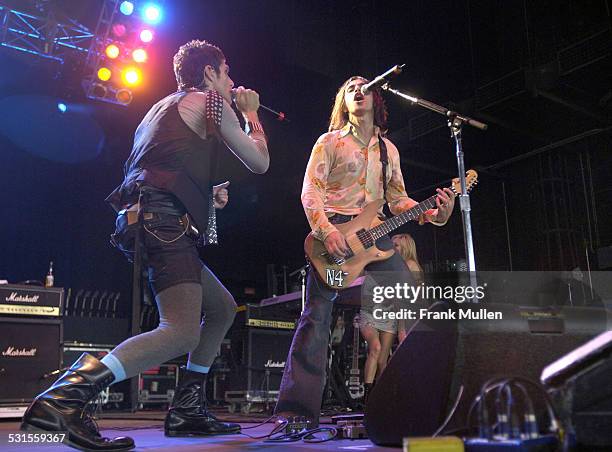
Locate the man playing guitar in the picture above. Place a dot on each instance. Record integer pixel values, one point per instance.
(343, 176)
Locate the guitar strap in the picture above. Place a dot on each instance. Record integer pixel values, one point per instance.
(384, 160)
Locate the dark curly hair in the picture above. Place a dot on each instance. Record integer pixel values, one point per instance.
(190, 61)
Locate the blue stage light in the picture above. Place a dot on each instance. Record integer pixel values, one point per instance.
(151, 13)
(126, 8)
(62, 107)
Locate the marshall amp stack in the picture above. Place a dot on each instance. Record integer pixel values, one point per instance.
(260, 340)
(30, 343)
(259, 343)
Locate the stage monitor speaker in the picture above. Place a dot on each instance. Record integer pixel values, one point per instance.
(580, 386)
(29, 350)
(422, 380)
(410, 396)
(523, 344)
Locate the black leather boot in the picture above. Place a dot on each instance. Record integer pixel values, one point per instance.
(62, 407)
(188, 415)
(367, 388)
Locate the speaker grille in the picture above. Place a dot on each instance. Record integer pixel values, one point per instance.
(28, 350)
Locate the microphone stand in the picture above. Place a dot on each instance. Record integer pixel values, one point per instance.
(302, 272)
(455, 124)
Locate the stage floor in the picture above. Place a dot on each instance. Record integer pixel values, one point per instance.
(147, 429)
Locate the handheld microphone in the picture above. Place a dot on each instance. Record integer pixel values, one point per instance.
(280, 116)
(382, 79)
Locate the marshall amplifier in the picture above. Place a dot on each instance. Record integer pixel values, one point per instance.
(260, 341)
(259, 357)
(30, 350)
(113, 398)
(280, 316)
(31, 301)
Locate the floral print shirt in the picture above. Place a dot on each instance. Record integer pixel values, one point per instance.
(344, 175)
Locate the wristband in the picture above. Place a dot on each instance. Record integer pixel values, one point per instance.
(255, 127)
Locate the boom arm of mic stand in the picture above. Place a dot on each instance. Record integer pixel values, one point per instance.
(437, 108)
(455, 123)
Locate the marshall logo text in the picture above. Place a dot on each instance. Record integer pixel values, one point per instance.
(22, 298)
(271, 363)
(12, 351)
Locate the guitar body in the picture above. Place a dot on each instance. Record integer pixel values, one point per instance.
(361, 233)
(340, 275)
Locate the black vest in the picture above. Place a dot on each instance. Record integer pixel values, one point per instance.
(169, 156)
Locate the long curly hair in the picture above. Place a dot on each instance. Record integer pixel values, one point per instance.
(339, 115)
(190, 61)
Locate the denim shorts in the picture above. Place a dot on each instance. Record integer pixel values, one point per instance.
(170, 254)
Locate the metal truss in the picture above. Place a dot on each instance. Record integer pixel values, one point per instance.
(43, 36)
(94, 89)
(103, 28)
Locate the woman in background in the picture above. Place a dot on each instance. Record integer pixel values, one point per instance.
(379, 334)
(404, 245)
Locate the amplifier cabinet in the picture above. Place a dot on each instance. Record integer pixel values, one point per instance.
(259, 357)
(31, 301)
(113, 398)
(30, 349)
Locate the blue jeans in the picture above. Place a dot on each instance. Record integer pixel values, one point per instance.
(301, 391)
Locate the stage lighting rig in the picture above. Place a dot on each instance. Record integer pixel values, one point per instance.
(118, 55)
(112, 57)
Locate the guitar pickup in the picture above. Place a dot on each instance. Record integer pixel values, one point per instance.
(332, 259)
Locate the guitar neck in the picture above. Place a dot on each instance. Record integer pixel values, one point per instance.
(355, 362)
(411, 214)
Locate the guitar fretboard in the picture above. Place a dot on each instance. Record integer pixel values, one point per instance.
(411, 214)
(355, 359)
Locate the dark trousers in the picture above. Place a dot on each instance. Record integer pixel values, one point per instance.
(301, 391)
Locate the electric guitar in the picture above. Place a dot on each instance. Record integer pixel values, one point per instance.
(355, 386)
(361, 234)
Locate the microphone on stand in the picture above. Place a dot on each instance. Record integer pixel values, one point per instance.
(280, 116)
(382, 79)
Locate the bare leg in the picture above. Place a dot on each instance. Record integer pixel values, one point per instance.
(370, 334)
(386, 340)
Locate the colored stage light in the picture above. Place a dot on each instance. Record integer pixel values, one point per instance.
(146, 35)
(151, 13)
(140, 55)
(119, 30)
(123, 96)
(126, 8)
(62, 107)
(112, 51)
(98, 90)
(104, 74)
(131, 76)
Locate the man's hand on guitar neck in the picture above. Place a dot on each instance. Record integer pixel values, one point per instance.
(336, 245)
(445, 202)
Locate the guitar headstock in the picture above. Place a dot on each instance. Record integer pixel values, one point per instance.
(471, 179)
